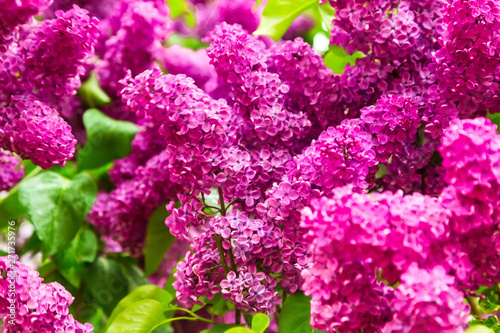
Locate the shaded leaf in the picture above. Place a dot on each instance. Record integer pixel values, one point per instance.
(57, 207)
(158, 240)
(142, 293)
(107, 139)
(278, 15)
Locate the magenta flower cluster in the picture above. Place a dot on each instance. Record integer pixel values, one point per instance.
(38, 307)
(39, 73)
(12, 171)
(376, 192)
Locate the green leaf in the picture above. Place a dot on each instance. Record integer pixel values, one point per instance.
(57, 207)
(169, 284)
(10, 206)
(239, 330)
(182, 8)
(495, 119)
(279, 15)
(82, 249)
(337, 59)
(106, 283)
(144, 292)
(87, 246)
(260, 322)
(139, 317)
(479, 329)
(92, 93)
(107, 139)
(296, 314)
(132, 272)
(220, 328)
(158, 240)
(190, 42)
(327, 13)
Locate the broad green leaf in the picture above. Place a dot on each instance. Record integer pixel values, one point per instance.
(169, 284)
(57, 207)
(139, 317)
(190, 42)
(10, 206)
(107, 139)
(87, 246)
(327, 13)
(337, 59)
(479, 329)
(260, 322)
(132, 272)
(82, 249)
(158, 240)
(142, 293)
(106, 282)
(179, 8)
(295, 315)
(279, 15)
(92, 93)
(239, 330)
(221, 328)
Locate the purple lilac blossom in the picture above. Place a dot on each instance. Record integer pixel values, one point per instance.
(40, 307)
(137, 30)
(12, 171)
(14, 13)
(35, 131)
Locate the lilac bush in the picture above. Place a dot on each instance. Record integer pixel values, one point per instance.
(196, 166)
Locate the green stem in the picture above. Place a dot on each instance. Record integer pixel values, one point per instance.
(218, 241)
(222, 204)
(237, 313)
(473, 307)
(231, 260)
(32, 174)
(197, 318)
(192, 314)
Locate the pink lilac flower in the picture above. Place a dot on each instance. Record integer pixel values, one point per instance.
(427, 299)
(35, 131)
(12, 170)
(56, 52)
(471, 157)
(38, 307)
(230, 11)
(137, 29)
(468, 62)
(14, 13)
(346, 296)
(178, 59)
(240, 61)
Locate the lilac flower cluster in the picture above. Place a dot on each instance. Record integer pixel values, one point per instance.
(240, 60)
(39, 307)
(34, 130)
(437, 248)
(40, 73)
(469, 60)
(56, 52)
(291, 153)
(176, 152)
(471, 150)
(136, 30)
(230, 11)
(14, 13)
(12, 170)
(428, 300)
